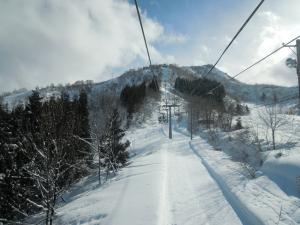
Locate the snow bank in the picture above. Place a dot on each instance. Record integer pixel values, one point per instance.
(285, 172)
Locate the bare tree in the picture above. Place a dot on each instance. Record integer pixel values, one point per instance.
(47, 170)
(96, 144)
(101, 108)
(273, 120)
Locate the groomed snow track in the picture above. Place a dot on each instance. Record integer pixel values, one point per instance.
(168, 182)
(245, 215)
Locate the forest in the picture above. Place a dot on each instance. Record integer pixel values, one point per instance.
(46, 146)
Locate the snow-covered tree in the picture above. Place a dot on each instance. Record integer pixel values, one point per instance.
(115, 150)
(273, 120)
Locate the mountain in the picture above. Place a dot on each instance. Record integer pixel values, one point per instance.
(185, 180)
(242, 91)
(234, 88)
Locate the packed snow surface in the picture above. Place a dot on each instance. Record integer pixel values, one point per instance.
(165, 183)
(176, 182)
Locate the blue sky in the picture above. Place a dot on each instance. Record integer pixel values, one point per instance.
(54, 41)
(208, 26)
(185, 15)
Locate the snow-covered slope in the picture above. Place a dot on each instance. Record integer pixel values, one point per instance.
(180, 181)
(162, 186)
(176, 181)
(243, 91)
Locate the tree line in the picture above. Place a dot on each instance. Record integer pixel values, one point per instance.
(40, 155)
(209, 108)
(201, 87)
(46, 146)
(133, 97)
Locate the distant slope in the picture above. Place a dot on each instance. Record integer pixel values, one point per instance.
(243, 91)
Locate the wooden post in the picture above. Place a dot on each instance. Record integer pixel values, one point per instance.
(191, 122)
(170, 123)
(298, 69)
(169, 111)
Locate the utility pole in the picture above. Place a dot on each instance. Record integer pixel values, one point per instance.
(170, 123)
(298, 68)
(169, 107)
(191, 120)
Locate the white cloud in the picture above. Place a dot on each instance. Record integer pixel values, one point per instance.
(44, 41)
(276, 22)
(274, 30)
(173, 39)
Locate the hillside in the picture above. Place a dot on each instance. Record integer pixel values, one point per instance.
(235, 89)
(183, 181)
(230, 171)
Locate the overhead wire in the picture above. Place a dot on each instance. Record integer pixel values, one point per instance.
(145, 41)
(235, 36)
(143, 32)
(225, 50)
(295, 53)
(255, 63)
(282, 100)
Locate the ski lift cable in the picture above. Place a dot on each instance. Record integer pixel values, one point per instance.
(143, 32)
(282, 100)
(145, 41)
(253, 65)
(235, 36)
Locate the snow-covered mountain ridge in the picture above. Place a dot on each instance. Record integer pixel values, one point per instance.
(183, 181)
(234, 88)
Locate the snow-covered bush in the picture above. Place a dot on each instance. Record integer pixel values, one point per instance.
(249, 170)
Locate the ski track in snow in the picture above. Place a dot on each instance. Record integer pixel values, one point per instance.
(166, 184)
(194, 197)
(164, 206)
(245, 215)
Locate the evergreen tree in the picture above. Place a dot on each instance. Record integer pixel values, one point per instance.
(238, 109)
(247, 109)
(38, 153)
(115, 150)
(263, 97)
(34, 110)
(83, 114)
(275, 98)
(132, 98)
(201, 87)
(238, 124)
(154, 85)
(82, 130)
(15, 152)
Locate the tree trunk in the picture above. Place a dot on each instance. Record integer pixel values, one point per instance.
(47, 216)
(52, 209)
(273, 139)
(99, 169)
(107, 171)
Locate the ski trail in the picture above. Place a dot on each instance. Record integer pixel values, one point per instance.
(165, 185)
(192, 196)
(245, 215)
(164, 204)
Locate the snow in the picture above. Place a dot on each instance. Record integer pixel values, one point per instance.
(257, 201)
(234, 88)
(178, 181)
(273, 196)
(165, 183)
(284, 169)
(285, 172)
(192, 195)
